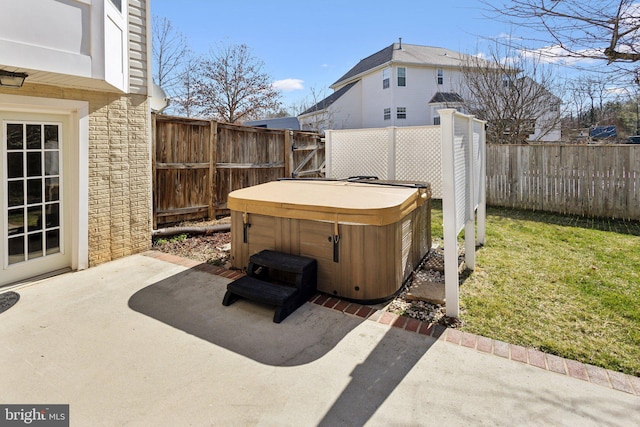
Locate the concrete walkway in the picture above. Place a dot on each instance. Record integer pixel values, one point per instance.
(141, 341)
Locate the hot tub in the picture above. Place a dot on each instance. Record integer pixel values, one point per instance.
(367, 237)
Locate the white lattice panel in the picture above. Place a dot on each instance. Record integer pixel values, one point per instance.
(418, 156)
(460, 156)
(359, 152)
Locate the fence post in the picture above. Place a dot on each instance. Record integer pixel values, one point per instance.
(154, 174)
(391, 153)
(213, 160)
(449, 215)
(470, 193)
(482, 197)
(288, 154)
(327, 154)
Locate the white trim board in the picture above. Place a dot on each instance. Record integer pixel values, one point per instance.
(78, 112)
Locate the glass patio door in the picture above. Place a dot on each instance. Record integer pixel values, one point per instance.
(33, 229)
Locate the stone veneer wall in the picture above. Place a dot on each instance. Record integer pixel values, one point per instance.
(119, 169)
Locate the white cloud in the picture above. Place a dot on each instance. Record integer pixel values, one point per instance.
(508, 37)
(288, 85)
(555, 54)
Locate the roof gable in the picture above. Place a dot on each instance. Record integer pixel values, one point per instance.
(381, 57)
(325, 103)
(441, 97)
(407, 54)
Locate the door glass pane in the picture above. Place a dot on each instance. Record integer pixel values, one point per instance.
(51, 188)
(32, 180)
(34, 218)
(16, 193)
(51, 136)
(34, 137)
(14, 137)
(53, 215)
(53, 242)
(51, 159)
(34, 164)
(16, 249)
(35, 245)
(16, 221)
(34, 191)
(15, 168)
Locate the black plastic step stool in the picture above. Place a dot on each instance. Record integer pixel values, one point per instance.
(293, 282)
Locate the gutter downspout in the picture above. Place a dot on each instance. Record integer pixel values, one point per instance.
(149, 48)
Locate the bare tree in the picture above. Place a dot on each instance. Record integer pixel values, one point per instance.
(513, 93)
(170, 49)
(606, 30)
(232, 85)
(578, 112)
(318, 116)
(185, 99)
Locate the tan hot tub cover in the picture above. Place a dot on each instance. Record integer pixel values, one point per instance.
(344, 202)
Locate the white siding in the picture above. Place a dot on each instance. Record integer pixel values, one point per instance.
(375, 99)
(138, 46)
(346, 111)
(31, 38)
(85, 44)
(364, 108)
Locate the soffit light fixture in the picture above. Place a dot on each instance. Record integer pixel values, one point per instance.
(11, 79)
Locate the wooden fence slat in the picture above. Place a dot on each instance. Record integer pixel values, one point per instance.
(213, 138)
(197, 163)
(174, 166)
(599, 181)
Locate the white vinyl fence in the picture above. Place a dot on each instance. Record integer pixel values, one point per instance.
(402, 153)
(464, 183)
(451, 157)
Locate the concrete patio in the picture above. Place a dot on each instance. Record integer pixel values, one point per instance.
(142, 341)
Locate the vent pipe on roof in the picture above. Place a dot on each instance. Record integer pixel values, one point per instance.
(400, 44)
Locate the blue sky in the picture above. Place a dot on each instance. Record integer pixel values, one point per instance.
(307, 45)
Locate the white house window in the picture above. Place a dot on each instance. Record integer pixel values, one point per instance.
(401, 112)
(387, 113)
(402, 76)
(440, 76)
(436, 120)
(505, 80)
(117, 4)
(385, 78)
(554, 108)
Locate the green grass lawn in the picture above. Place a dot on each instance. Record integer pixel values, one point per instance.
(566, 285)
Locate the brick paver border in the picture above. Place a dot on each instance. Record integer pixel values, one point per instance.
(530, 356)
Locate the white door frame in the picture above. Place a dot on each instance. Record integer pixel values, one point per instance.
(78, 112)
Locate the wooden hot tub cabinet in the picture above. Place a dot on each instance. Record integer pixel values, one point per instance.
(367, 238)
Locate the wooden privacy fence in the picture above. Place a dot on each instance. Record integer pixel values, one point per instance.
(596, 181)
(197, 163)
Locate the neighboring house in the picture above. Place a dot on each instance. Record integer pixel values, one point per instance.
(275, 123)
(75, 157)
(548, 126)
(401, 85)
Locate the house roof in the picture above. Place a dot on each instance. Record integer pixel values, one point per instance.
(446, 97)
(275, 123)
(408, 54)
(329, 99)
(401, 53)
